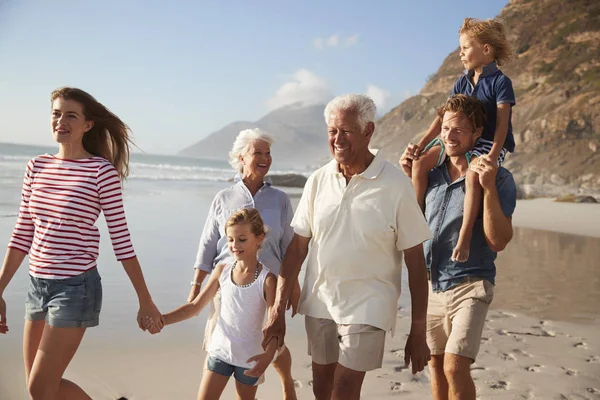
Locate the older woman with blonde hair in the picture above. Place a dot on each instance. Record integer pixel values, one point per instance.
(251, 158)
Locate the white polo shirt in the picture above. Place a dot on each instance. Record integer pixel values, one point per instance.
(358, 232)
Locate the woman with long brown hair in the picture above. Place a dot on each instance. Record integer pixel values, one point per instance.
(62, 197)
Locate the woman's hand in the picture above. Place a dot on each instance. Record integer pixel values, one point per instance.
(3, 325)
(149, 318)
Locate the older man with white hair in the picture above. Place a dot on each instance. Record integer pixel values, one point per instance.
(360, 216)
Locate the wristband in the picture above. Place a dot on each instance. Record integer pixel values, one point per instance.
(194, 283)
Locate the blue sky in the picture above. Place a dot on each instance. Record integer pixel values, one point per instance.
(177, 71)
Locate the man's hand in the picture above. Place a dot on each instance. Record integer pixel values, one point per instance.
(294, 298)
(487, 169)
(262, 362)
(274, 329)
(411, 153)
(416, 350)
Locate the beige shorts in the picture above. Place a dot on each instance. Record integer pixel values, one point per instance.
(356, 346)
(455, 318)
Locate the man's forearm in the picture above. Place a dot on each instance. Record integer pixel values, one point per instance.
(496, 226)
(288, 276)
(417, 283)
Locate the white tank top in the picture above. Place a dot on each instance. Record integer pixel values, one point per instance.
(238, 333)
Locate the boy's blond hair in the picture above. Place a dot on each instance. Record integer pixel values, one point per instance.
(491, 32)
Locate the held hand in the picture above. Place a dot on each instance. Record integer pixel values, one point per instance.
(274, 329)
(149, 312)
(3, 324)
(487, 169)
(416, 351)
(411, 153)
(294, 298)
(262, 362)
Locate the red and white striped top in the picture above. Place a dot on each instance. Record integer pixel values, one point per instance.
(60, 203)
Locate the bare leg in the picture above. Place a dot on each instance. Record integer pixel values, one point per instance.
(56, 350)
(420, 172)
(212, 385)
(32, 336)
(458, 373)
(283, 366)
(245, 392)
(347, 383)
(473, 201)
(323, 376)
(439, 383)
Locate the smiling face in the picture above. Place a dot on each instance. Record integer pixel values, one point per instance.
(457, 134)
(68, 121)
(474, 54)
(257, 159)
(348, 140)
(243, 244)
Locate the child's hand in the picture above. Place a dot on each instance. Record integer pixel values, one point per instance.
(262, 362)
(149, 325)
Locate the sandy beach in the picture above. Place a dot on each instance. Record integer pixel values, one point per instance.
(541, 340)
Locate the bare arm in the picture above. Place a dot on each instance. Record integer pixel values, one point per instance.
(434, 130)
(12, 261)
(147, 307)
(199, 276)
(502, 119)
(288, 277)
(416, 350)
(192, 309)
(497, 227)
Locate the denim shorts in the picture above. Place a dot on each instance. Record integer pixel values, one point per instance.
(222, 368)
(73, 302)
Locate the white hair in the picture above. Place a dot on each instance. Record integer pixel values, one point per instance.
(241, 144)
(361, 104)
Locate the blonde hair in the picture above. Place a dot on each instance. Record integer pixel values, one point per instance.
(109, 137)
(491, 32)
(249, 216)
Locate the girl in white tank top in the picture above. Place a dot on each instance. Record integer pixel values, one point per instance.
(247, 290)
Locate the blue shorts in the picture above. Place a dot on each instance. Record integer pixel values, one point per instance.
(222, 368)
(73, 302)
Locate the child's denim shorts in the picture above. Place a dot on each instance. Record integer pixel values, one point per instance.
(73, 302)
(222, 368)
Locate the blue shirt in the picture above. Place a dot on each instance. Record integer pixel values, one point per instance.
(492, 88)
(444, 209)
(274, 207)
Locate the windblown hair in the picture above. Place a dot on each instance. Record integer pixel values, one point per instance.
(491, 32)
(471, 107)
(361, 104)
(241, 144)
(109, 138)
(248, 216)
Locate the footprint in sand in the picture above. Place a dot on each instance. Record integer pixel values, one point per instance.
(522, 353)
(398, 352)
(498, 385)
(297, 384)
(507, 357)
(534, 368)
(593, 360)
(580, 345)
(395, 386)
(593, 391)
(400, 368)
(570, 372)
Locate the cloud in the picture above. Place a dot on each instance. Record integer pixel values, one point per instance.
(380, 96)
(304, 86)
(335, 40)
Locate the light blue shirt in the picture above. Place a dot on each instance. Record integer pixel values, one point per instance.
(274, 207)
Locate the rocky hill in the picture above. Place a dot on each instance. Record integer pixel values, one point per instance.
(299, 131)
(556, 77)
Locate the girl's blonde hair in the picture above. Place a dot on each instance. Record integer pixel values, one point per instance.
(491, 32)
(249, 216)
(109, 137)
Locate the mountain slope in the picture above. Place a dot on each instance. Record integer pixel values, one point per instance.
(299, 131)
(556, 77)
